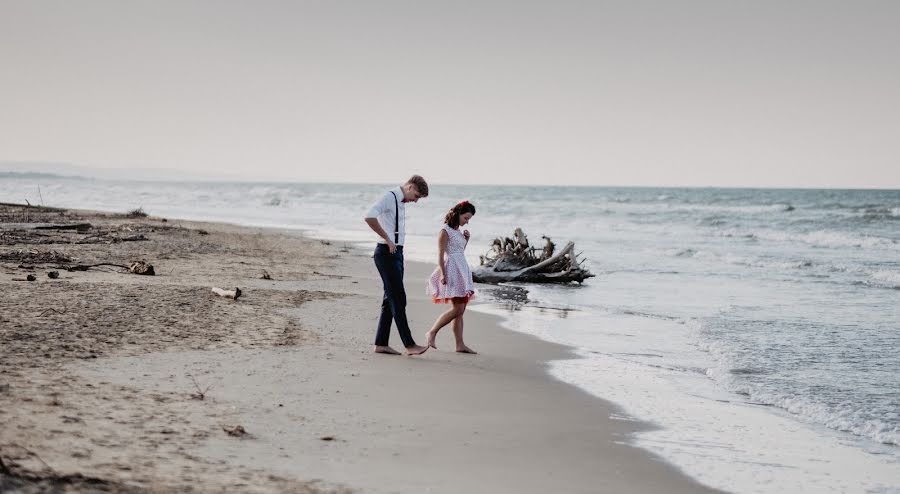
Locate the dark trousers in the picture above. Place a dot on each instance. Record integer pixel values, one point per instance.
(393, 305)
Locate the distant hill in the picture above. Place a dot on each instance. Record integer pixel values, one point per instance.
(36, 170)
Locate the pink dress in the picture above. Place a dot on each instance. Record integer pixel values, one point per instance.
(456, 270)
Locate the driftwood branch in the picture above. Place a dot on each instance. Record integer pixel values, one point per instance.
(233, 294)
(85, 267)
(51, 309)
(201, 392)
(136, 267)
(81, 227)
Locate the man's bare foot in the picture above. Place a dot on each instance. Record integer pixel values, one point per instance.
(465, 349)
(416, 350)
(431, 336)
(386, 349)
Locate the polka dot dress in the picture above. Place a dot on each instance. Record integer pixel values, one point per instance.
(458, 276)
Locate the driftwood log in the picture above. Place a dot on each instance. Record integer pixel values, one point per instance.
(514, 259)
(232, 294)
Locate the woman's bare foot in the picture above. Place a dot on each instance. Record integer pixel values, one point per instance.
(416, 350)
(386, 349)
(465, 349)
(431, 336)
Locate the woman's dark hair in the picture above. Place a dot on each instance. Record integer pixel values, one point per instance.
(452, 218)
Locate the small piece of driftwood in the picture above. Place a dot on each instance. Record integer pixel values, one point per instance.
(236, 431)
(85, 267)
(81, 227)
(232, 294)
(136, 267)
(141, 267)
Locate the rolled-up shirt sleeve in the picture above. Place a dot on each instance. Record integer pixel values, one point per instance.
(379, 207)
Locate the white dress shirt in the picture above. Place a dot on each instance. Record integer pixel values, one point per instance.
(385, 211)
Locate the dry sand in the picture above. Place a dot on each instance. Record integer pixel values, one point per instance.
(101, 373)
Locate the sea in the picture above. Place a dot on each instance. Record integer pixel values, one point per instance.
(757, 330)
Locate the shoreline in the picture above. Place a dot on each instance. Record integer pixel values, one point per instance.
(559, 438)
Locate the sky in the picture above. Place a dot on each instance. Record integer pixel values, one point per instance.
(664, 93)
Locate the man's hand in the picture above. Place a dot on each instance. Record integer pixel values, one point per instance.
(376, 227)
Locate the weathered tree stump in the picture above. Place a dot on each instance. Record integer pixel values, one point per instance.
(513, 259)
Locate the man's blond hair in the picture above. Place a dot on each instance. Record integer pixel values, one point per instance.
(420, 183)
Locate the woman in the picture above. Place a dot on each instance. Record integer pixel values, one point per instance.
(451, 281)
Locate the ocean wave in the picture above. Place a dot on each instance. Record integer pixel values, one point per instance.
(886, 277)
(819, 238)
(879, 214)
(681, 252)
(872, 420)
(652, 209)
(849, 417)
(774, 264)
(773, 378)
(731, 210)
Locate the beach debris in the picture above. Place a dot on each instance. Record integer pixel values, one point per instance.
(35, 256)
(232, 294)
(85, 267)
(142, 268)
(236, 431)
(203, 232)
(51, 309)
(81, 227)
(330, 275)
(30, 277)
(137, 213)
(327, 438)
(201, 392)
(514, 259)
(136, 267)
(265, 275)
(53, 275)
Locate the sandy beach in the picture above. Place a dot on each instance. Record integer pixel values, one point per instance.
(116, 382)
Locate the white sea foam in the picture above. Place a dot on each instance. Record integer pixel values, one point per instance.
(819, 238)
(644, 364)
(887, 277)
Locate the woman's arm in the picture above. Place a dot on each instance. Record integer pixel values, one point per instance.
(443, 239)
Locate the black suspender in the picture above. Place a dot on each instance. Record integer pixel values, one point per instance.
(396, 219)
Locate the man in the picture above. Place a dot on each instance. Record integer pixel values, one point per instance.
(387, 218)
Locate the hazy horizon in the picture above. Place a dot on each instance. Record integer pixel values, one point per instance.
(85, 175)
(690, 94)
